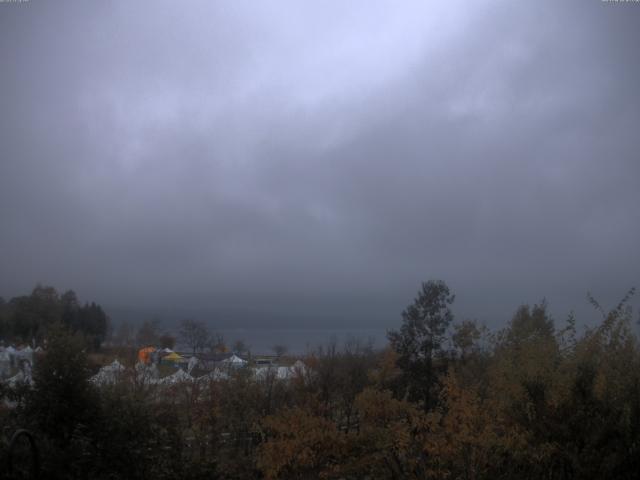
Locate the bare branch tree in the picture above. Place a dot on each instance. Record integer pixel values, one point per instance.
(194, 334)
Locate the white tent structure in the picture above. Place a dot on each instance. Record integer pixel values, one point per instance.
(177, 377)
(25, 354)
(299, 368)
(213, 376)
(271, 372)
(20, 377)
(11, 353)
(109, 374)
(5, 363)
(146, 374)
(284, 373)
(8, 358)
(193, 362)
(281, 372)
(234, 360)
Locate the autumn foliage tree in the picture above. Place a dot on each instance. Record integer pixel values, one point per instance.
(533, 400)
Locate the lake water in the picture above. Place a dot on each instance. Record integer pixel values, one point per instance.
(299, 341)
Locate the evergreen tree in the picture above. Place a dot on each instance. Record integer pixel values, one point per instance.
(420, 340)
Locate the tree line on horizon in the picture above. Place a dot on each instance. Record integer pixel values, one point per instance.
(443, 400)
(28, 319)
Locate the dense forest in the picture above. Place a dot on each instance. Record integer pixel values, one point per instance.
(444, 400)
(29, 318)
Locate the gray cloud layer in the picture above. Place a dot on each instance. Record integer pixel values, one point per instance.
(320, 158)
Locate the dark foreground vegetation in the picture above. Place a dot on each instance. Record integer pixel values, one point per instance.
(444, 400)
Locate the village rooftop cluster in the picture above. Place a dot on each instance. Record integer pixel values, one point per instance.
(159, 366)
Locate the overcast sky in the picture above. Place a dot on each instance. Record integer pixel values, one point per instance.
(316, 161)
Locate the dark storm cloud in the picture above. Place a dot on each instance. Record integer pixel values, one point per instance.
(320, 159)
